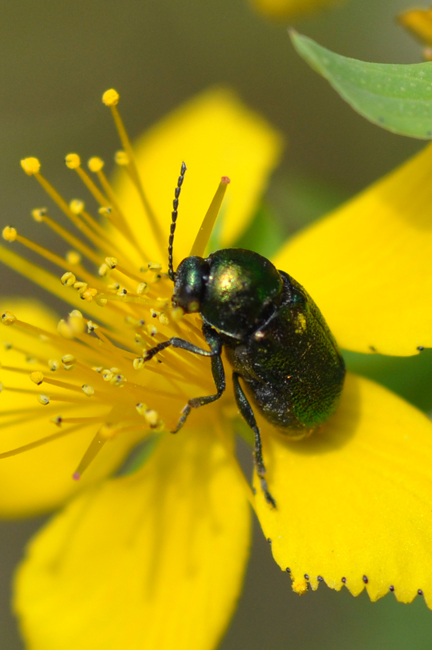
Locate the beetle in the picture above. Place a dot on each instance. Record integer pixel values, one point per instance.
(285, 361)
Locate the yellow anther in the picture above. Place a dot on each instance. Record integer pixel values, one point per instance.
(76, 312)
(71, 327)
(76, 206)
(38, 214)
(53, 364)
(118, 380)
(111, 262)
(114, 286)
(97, 369)
(57, 420)
(68, 359)
(103, 270)
(73, 161)
(89, 294)
(8, 318)
(30, 165)
(73, 257)
(95, 164)
(105, 211)
(68, 279)
(43, 399)
(138, 363)
(107, 375)
(142, 288)
(108, 430)
(88, 390)
(138, 339)
(122, 292)
(9, 233)
(114, 370)
(7, 345)
(151, 329)
(163, 319)
(121, 158)
(77, 324)
(91, 327)
(110, 97)
(100, 300)
(141, 408)
(154, 266)
(37, 377)
(151, 417)
(80, 286)
(176, 314)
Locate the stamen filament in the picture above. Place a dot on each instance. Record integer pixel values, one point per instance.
(134, 175)
(209, 220)
(72, 240)
(117, 214)
(38, 443)
(106, 432)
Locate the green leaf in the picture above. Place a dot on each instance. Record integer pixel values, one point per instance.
(396, 97)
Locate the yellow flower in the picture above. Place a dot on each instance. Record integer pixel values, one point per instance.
(284, 9)
(155, 558)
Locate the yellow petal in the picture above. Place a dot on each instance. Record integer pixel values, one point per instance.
(216, 135)
(41, 479)
(367, 265)
(290, 8)
(419, 22)
(354, 501)
(153, 560)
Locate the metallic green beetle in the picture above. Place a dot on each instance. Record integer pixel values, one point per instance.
(273, 334)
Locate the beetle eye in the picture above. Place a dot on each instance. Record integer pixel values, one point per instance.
(189, 284)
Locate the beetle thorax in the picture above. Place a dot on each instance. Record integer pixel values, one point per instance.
(240, 292)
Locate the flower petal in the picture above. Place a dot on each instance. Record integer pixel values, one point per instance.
(367, 265)
(216, 135)
(354, 502)
(41, 479)
(289, 8)
(153, 560)
(419, 22)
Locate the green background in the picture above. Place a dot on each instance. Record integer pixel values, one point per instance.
(56, 59)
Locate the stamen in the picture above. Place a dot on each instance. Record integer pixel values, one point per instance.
(115, 212)
(106, 432)
(39, 443)
(110, 98)
(209, 220)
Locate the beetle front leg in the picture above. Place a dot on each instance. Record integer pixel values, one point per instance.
(218, 372)
(247, 413)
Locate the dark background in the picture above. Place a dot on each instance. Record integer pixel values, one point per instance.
(56, 59)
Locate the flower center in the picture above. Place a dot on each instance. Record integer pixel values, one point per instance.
(91, 370)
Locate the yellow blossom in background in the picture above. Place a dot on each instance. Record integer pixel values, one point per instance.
(419, 22)
(156, 558)
(287, 9)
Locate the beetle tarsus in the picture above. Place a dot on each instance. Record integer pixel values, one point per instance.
(268, 497)
(185, 412)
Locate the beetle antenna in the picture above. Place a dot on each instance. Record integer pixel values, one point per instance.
(174, 214)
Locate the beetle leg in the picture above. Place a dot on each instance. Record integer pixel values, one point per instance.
(247, 413)
(175, 342)
(215, 344)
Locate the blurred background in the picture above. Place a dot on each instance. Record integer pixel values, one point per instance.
(56, 59)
